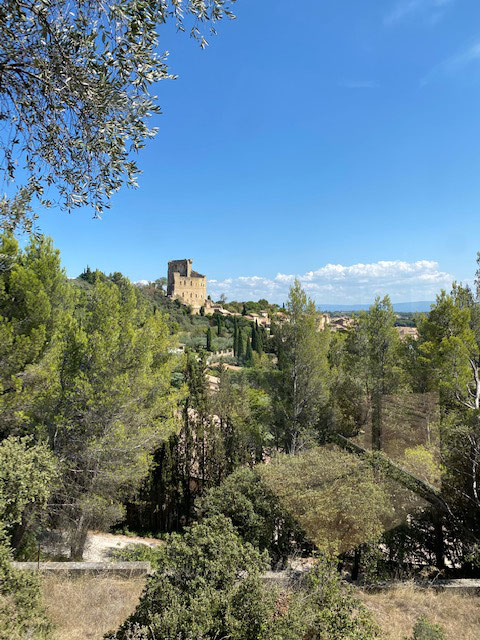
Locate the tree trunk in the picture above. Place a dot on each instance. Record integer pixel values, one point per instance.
(396, 472)
(78, 540)
(18, 533)
(356, 564)
(439, 542)
(377, 421)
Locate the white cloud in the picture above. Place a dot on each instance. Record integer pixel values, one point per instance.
(464, 58)
(346, 284)
(456, 63)
(430, 10)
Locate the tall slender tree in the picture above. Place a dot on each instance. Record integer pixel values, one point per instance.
(240, 345)
(379, 347)
(235, 336)
(302, 387)
(259, 340)
(253, 337)
(249, 353)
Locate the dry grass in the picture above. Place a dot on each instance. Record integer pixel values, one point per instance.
(86, 608)
(397, 610)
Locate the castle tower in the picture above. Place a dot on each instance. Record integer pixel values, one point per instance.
(186, 285)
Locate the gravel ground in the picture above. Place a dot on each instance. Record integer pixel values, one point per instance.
(100, 545)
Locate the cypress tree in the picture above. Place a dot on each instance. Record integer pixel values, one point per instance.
(240, 345)
(244, 310)
(259, 342)
(249, 353)
(254, 338)
(235, 337)
(209, 339)
(219, 325)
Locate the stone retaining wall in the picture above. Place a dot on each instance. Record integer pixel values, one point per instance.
(124, 569)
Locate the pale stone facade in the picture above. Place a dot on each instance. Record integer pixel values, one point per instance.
(186, 285)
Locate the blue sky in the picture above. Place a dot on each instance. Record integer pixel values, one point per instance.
(336, 141)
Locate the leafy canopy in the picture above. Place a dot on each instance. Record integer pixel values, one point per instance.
(334, 496)
(76, 92)
(27, 472)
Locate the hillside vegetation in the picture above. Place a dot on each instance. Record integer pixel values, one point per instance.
(351, 448)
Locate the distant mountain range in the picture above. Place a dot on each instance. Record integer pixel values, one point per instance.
(401, 307)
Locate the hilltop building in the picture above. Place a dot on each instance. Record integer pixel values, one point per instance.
(335, 323)
(186, 285)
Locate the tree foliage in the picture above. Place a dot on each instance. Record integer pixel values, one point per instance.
(27, 476)
(301, 389)
(88, 371)
(34, 298)
(27, 472)
(255, 512)
(21, 610)
(208, 585)
(76, 93)
(336, 498)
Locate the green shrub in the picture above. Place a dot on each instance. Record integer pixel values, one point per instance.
(21, 612)
(424, 630)
(207, 585)
(137, 552)
(255, 513)
(333, 609)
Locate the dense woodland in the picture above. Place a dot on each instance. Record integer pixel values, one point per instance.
(355, 445)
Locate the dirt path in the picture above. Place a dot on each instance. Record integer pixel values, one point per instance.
(100, 545)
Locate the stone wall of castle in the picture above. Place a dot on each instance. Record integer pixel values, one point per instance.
(186, 285)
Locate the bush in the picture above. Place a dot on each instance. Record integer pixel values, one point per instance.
(333, 609)
(424, 630)
(21, 611)
(139, 553)
(255, 513)
(208, 585)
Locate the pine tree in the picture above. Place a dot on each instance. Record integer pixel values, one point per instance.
(249, 353)
(209, 339)
(303, 384)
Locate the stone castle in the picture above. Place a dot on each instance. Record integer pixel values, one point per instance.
(186, 285)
